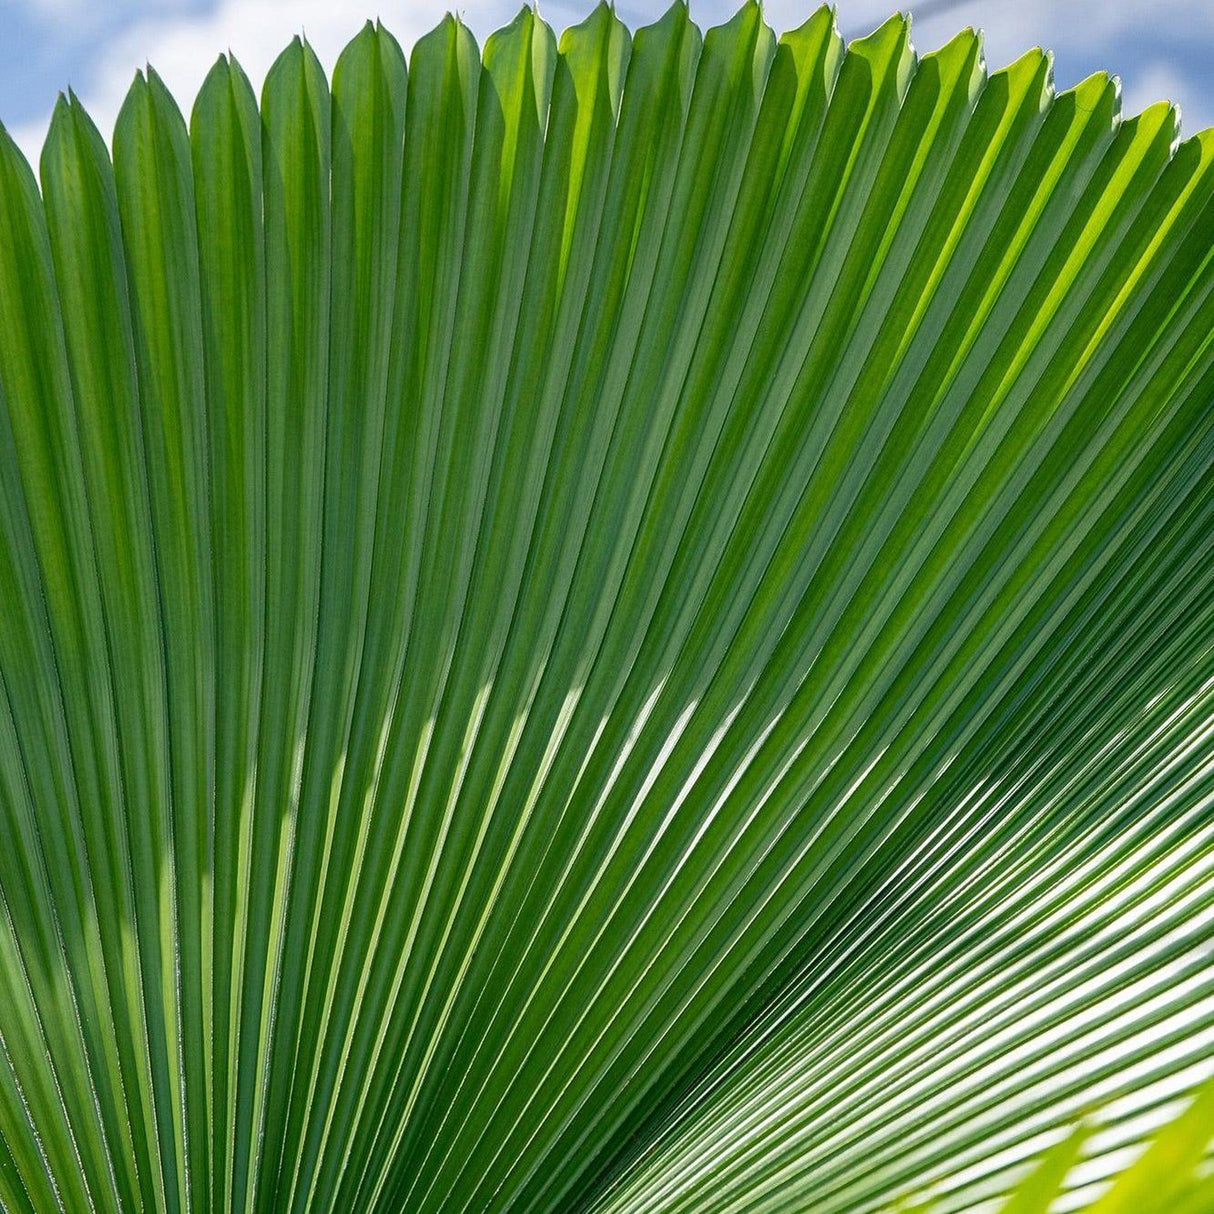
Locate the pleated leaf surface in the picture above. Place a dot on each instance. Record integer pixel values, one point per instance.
(621, 623)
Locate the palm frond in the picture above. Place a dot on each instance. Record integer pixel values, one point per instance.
(618, 624)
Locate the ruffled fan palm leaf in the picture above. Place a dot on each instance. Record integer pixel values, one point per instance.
(622, 625)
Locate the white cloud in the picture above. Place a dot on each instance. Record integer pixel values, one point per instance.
(183, 47)
(77, 21)
(1155, 81)
(1124, 37)
(182, 44)
(1097, 23)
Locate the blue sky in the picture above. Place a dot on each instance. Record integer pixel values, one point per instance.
(1159, 48)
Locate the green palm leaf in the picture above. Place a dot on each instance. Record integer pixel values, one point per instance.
(616, 625)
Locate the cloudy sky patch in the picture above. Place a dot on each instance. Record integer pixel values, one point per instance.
(1160, 50)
